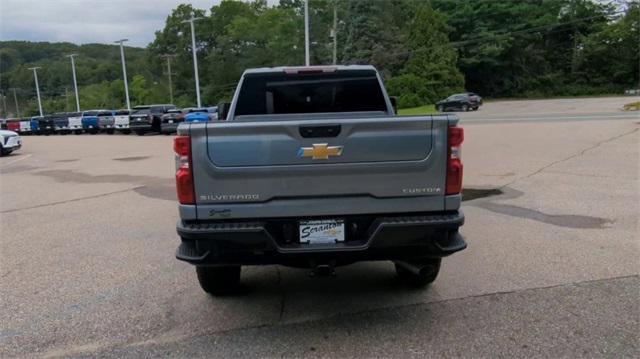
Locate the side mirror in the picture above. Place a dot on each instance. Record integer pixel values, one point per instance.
(394, 104)
(223, 111)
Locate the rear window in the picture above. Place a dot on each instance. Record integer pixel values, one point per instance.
(90, 113)
(279, 93)
(122, 112)
(104, 114)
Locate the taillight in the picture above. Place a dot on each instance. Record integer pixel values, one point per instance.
(184, 175)
(454, 163)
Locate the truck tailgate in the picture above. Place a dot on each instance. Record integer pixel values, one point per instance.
(350, 165)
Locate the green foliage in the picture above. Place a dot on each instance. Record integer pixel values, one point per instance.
(424, 49)
(422, 110)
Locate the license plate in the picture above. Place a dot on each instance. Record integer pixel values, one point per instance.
(170, 121)
(322, 231)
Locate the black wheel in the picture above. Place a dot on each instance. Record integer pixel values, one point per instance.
(140, 133)
(219, 280)
(78, 132)
(125, 132)
(111, 131)
(426, 275)
(441, 108)
(465, 108)
(475, 108)
(2, 153)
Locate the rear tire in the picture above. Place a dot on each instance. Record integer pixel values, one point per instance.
(440, 108)
(219, 280)
(465, 108)
(429, 273)
(140, 133)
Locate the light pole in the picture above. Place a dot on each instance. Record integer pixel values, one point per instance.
(306, 32)
(75, 83)
(35, 77)
(124, 71)
(169, 57)
(195, 57)
(334, 32)
(15, 98)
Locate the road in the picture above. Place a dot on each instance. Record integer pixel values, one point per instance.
(552, 269)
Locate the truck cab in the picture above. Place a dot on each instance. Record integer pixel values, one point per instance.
(25, 126)
(75, 122)
(106, 121)
(121, 121)
(312, 168)
(90, 122)
(61, 123)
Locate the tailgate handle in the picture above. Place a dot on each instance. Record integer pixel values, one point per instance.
(320, 131)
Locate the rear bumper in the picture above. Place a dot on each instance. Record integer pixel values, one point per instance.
(169, 127)
(384, 237)
(140, 126)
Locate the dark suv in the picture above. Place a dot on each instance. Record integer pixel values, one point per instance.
(148, 118)
(171, 120)
(462, 101)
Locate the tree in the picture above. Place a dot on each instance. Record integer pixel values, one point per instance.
(431, 57)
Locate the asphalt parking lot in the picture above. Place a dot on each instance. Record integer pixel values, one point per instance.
(552, 268)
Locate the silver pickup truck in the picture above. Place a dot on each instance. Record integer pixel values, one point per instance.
(310, 167)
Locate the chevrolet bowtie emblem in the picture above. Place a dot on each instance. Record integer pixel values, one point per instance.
(320, 151)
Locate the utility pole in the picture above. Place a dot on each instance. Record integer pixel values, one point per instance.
(124, 71)
(35, 77)
(334, 32)
(306, 32)
(15, 98)
(169, 57)
(66, 99)
(195, 57)
(75, 83)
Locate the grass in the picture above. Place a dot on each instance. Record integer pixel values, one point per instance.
(422, 110)
(633, 106)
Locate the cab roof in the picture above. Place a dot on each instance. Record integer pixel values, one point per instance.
(310, 69)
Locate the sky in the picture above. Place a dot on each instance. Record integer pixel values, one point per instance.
(88, 21)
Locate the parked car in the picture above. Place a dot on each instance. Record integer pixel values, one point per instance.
(9, 141)
(121, 121)
(171, 120)
(315, 170)
(46, 125)
(106, 121)
(205, 114)
(474, 97)
(25, 126)
(61, 123)
(35, 125)
(90, 122)
(13, 124)
(147, 118)
(75, 122)
(462, 101)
